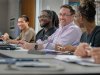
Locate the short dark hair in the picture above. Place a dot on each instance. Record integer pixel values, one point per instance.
(68, 7)
(26, 18)
(87, 10)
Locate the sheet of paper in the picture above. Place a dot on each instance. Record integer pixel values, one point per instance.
(76, 59)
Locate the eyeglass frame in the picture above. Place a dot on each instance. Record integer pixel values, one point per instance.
(43, 16)
(64, 14)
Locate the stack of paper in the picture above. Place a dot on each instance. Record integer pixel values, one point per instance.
(78, 60)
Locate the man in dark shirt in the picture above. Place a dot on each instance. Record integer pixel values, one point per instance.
(49, 23)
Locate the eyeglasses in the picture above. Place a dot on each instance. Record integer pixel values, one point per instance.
(43, 16)
(65, 15)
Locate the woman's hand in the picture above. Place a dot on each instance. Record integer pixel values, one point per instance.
(82, 50)
(95, 53)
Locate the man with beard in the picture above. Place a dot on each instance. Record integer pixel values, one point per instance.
(49, 22)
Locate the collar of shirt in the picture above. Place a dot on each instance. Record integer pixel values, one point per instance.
(67, 25)
(61, 28)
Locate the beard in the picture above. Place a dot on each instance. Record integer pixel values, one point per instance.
(45, 25)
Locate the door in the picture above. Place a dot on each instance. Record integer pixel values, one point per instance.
(28, 8)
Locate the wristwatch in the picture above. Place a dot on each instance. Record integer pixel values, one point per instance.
(36, 46)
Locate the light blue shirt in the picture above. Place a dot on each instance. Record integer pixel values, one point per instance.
(69, 34)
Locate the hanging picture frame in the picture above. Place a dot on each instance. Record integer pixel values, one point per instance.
(12, 23)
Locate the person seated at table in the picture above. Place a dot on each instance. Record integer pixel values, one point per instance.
(27, 33)
(86, 17)
(49, 23)
(93, 48)
(69, 47)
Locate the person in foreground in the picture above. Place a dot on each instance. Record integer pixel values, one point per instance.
(67, 33)
(92, 47)
(86, 17)
(27, 33)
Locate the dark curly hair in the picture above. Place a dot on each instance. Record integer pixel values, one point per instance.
(52, 14)
(55, 19)
(87, 10)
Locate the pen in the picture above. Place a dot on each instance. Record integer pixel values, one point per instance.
(90, 48)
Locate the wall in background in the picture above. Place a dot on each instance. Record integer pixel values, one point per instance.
(9, 13)
(28, 8)
(13, 14)
(52, 4)
(3, 16)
